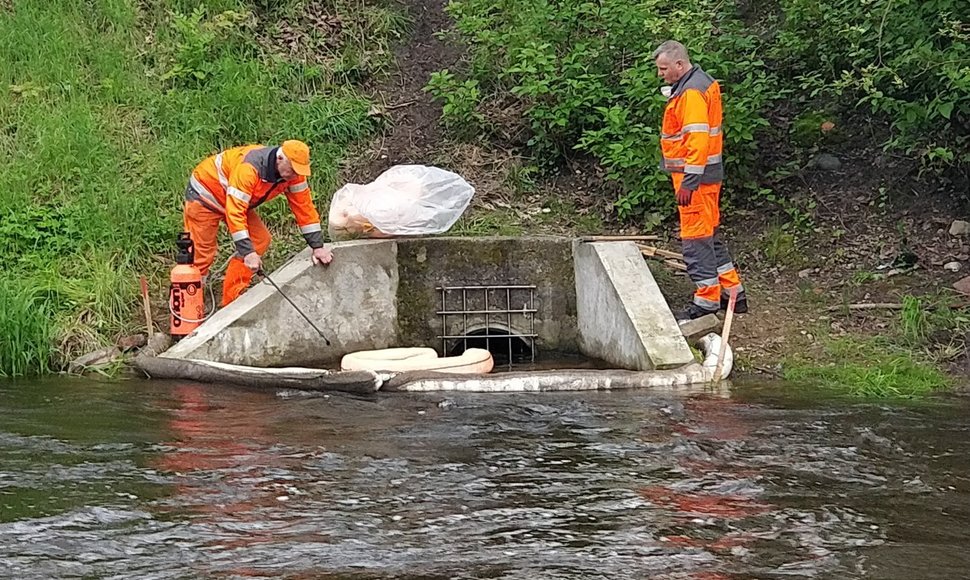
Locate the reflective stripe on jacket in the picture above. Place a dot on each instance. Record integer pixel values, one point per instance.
(691, 137)
(242, 178)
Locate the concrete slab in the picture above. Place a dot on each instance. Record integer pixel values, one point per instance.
(622, 316)
(353, 301)
(694, 329)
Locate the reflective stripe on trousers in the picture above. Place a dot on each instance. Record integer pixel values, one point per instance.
(727, 274)
(708, 260)
(701, 260)
(710, 267)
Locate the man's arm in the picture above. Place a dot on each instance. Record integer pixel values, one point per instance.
(299, 197)
(307, 218)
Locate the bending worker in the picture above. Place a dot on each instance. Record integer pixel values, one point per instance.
(691, 145)
(228, 187)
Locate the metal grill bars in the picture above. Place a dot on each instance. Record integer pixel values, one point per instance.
(474, 302)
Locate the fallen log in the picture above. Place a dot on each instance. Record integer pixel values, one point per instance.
(359, 382)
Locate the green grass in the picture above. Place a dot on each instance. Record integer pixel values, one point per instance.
(913, 320)
(563, 214)
(869, 368)
(496, 223)
(105, 107)
(780, 247)
(26, 331)
(906, 362)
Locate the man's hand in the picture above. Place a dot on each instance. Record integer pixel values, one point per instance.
(321, 256)
(253, 261)
(683, 196)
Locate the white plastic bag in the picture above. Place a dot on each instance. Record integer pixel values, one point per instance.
(405, 200)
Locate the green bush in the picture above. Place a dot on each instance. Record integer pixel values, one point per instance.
(583, 74)
(906, 61)
(459, 102)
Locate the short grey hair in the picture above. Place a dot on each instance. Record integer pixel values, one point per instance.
(673, 49)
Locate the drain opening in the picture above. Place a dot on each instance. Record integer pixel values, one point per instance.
(499, 319)
(507, 348)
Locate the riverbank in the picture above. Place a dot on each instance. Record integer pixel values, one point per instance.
(105, 133)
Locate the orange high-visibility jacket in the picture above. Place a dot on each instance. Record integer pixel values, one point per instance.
(691, 138)
(240, 179)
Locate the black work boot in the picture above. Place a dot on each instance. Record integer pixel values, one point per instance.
(692, 311)
(740, 305)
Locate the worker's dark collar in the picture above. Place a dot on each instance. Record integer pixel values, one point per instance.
(270, 173)
(677, 88)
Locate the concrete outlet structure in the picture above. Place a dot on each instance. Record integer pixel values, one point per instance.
(622, 316)
(532, 296)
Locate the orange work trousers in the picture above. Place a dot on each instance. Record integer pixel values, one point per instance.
(202, 224)
(709, 263)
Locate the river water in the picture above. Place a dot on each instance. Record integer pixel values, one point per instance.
(138, 479)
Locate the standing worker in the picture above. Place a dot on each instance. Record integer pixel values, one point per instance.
(228, 187)
(691, 144)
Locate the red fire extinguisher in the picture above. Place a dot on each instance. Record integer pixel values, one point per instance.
(185, 301)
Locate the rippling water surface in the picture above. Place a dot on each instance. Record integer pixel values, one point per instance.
(178, 480)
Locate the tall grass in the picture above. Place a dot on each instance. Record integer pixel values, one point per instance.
(105, 107)
(25, 331)
(913, 320)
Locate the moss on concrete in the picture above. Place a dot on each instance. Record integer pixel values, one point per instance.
(545, 262)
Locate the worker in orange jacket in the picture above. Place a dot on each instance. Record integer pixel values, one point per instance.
(691, 144)
(228, 187)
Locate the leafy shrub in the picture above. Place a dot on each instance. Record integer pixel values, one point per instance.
(905, 61)
(197, 41)
(460, 101)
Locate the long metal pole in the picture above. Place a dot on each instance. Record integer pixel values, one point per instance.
(295, 307)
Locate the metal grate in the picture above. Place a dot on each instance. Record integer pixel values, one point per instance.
(484, 306)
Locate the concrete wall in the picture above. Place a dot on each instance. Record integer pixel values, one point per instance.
(545, 262)
(599, 299)
(622, 317)
(352, 300)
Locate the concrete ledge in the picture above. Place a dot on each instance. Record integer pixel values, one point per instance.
(623, 318)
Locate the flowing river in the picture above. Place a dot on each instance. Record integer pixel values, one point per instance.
(136, 479)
